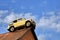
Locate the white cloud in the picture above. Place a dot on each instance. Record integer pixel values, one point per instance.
(0, 21)
(59, 13)
(1, 14)
(50, 13)
(53, 21)
(41, 37)
(44, 36)
(9, 18)
(29, 16)
(3, 11)
(58, 27)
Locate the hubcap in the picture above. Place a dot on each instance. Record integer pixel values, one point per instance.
(28, 24)
(12, 29)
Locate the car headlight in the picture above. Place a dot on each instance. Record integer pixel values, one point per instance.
(10, 24)
(8, 27)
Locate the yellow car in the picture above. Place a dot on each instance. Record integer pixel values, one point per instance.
(21, 23)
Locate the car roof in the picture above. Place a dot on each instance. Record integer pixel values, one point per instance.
(21, 19)
(17, 19)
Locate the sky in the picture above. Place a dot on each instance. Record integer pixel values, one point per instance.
(46, 14)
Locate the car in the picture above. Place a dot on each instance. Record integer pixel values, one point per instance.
(21, 23)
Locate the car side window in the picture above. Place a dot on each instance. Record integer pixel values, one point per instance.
(14, 21)
(20, 19)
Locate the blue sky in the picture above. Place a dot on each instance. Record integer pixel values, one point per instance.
(46, 14)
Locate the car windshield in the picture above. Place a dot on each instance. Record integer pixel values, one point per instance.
(14, 21)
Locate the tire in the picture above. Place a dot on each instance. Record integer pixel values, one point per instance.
(28, 24)
(33, 26)
(12, 29)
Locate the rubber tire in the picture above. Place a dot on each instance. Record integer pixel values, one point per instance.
(10, 29)
(33, 26)
(26, 24)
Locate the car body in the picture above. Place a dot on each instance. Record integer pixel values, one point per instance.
(21, 23)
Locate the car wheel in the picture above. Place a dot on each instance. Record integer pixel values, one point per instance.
(28, 24)
(33, 26)
(12, 29)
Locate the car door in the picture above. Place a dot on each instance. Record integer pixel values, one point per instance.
(19, 23)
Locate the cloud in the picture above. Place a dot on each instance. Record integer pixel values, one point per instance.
(44, 36)
(3, 11)
(29, 16)
(9, 18)
(41, 37)
(50, 21)
(0, 20)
